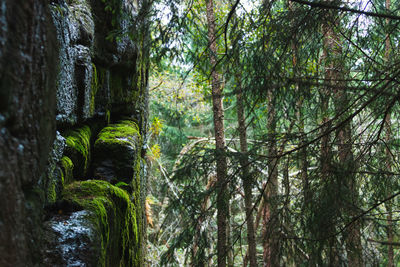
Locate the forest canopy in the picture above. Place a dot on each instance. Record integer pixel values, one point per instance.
(275, 133)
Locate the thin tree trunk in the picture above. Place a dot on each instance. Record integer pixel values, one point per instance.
(218, 112)
(197, 261)
(334, 76)
(229, 238)
(326, 154)
(246, 177)
(270, 219)
(353, 238)
(388, 204)
(303, 164)
(388, 137)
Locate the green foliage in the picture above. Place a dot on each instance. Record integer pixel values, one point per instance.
(323, 73)
(182, 109)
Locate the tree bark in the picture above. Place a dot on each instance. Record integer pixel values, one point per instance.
(246, 177)
(388, 137)
(303, 163)
(388, 204)
(329, 44)
(346, 158)
(334, 77)
(270, 218)
(218, 112)
(198, 261)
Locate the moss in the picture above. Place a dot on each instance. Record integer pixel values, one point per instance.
(123, 133)
(51, 194)
(116, 150)
(78, 149)
(108, 116)
(54, 185)
(95, 87)
(113, 216)
(124, 186)
(67, 168)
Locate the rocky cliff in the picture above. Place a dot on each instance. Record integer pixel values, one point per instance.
(73, 110)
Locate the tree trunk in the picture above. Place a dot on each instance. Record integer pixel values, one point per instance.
(334, 77)
(388, 137)
(303, 164)
(231, 258)
(326, 154)
(388, 204)
(218, 112)
(246, 177)
(346, 158)
(270, 219)
(197, 260)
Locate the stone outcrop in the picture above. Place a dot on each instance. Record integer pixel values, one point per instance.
(73, 111)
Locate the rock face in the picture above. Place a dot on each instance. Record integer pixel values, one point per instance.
(73, 114)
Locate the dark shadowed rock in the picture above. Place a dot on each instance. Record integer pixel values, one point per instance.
(28, 54)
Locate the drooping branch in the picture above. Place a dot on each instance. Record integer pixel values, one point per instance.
(346, 9)
(384, 242)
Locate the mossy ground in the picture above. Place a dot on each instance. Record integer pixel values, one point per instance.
(114, 217)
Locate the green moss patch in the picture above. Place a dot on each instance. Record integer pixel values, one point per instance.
(113, 216)
(51, 192)
(95, 87)
(78, 150)
(116, 152)
(124, 133)
(67, 167)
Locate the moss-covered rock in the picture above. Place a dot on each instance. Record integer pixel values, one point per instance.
(51, 181)
(67, 168)
(117, 153)
(112, 216)
(95, 88)
(78, 150)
